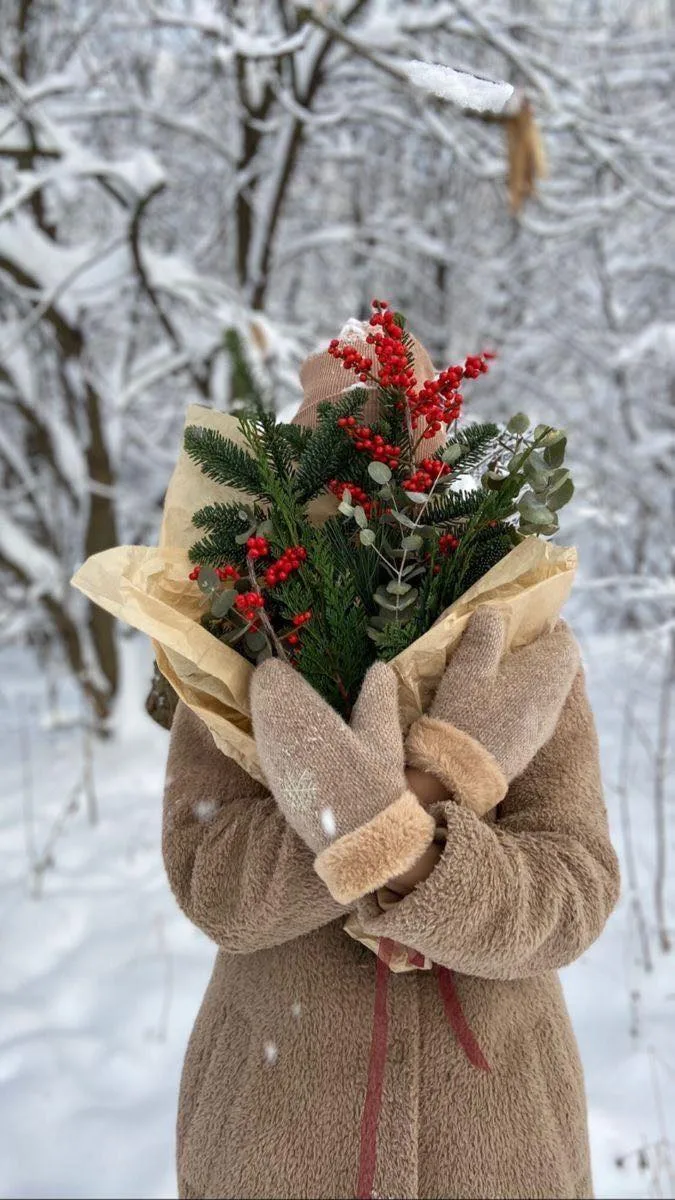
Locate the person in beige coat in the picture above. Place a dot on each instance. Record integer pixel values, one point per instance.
(313, 1070)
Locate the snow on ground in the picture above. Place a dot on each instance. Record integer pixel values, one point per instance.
(102, 975)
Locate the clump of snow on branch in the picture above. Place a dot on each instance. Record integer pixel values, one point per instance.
(461, 88)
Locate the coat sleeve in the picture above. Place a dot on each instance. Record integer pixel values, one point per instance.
(237, 870)
(529, 893)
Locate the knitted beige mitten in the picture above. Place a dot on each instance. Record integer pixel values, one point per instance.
(493, 711)
(341, 787)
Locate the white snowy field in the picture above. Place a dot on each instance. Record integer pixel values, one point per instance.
(102, 975)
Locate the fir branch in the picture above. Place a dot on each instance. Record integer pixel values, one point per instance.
(296, 436)
(225, 523)
(329, 451)
(216, 549)
(223, 461)
(453, 506)
(477, 441)
(354, 559)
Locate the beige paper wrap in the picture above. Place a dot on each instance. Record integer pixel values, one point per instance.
(148, 587)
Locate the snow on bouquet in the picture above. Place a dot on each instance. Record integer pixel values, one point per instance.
(350, 541)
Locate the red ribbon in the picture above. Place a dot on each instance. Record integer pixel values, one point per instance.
(457, 1021)
(378, 1053)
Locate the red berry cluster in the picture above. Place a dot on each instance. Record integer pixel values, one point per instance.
(370, 443)
(447, 542)
(248, 603)
(223, 573)
(290, 560)
(438, 401)
(299, 620)
(227, 572)
(423, 480)
(352, 360)
(257, 547)
(390, 349)
(357, 494)
(477, 364)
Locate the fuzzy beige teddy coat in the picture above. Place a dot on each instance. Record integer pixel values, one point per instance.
(310, 1074)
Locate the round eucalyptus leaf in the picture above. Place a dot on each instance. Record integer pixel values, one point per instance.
(379, 623)
(536, 472)
(223, 602)
(264, 654)
(493, 480)
(553, 436)
(561, 495)
(533, 511)
(418, 497)
(555, 478)
(264, 529)
(367, 537)
(409, 598)
(346, 496)
(516, 463)
(533, 462)
(519, 423)
(387, 603)
(395, 588)
(452, 453)
(554, 455)
(208, 580)
(403, 519)
(540, 430)
(255, 641)
(242, 538)
(347, 510)
(379, 471)
(413, 541)
(360, 517)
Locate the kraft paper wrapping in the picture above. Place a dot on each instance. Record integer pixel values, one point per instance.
(148, 588)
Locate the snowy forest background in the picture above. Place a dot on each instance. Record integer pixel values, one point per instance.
(172, 171)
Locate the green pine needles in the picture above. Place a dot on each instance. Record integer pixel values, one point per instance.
(345, 543)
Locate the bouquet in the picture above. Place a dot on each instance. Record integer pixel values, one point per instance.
(374, 533)
(347, 542)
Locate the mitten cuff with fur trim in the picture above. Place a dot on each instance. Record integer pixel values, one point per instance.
(388, 845)
(469, 772)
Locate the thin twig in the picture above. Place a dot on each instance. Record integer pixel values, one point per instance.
(266, 623)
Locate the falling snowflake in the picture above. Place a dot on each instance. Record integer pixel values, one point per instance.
(296, 1009)
(328, 822)
(271, 1053)
(205, 810)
